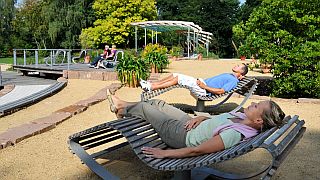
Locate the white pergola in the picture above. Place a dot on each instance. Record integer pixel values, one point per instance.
(188, 28)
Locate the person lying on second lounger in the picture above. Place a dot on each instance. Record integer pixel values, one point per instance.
(215, 85)
(200, 135)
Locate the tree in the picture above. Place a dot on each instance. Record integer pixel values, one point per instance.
(65, 21)
(7, 13)
(29, 26)
(113, 21)
(285, 33)
(215, 16)
(247, 8)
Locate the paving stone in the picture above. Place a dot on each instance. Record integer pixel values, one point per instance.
(110, 76)
(73, 75)
(96, 75)
(72, 109)
(17, 134)
(65, 74)
(55, 118)
(5, 143)
(84, 75)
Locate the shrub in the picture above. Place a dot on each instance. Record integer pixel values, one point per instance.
(155, 55)
(285, 33)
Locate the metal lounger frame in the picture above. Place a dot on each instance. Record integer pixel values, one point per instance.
(139, 133)
(245, 87)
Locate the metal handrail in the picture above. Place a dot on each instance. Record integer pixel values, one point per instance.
(67, 53)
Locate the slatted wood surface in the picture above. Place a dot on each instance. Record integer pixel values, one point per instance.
(140, 133)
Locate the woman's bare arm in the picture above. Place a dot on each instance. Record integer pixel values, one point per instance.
(212, 145)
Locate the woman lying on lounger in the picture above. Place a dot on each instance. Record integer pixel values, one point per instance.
(215, 85)
(199, 135)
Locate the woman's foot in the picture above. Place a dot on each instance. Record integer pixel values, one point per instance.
(112, 105)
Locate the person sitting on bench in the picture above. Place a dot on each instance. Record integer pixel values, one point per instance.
(106, 53)
(215, 85)
(199, 135)
(109, 57)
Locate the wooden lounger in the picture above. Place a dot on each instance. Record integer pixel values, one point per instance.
(140, 133)
(245, 87)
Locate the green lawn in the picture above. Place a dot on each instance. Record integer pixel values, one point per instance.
(6, 60)
(30, 60)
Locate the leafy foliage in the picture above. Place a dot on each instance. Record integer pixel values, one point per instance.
(285, 33)
(7, 14)
(247, 8)
(176, 51)
(155, 55)
(113, 21)
(131, 69)
(215, 16)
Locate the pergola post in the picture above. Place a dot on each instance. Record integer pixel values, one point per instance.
(145, 37)
(207, 43)
(152, 36)
(156, 38)
(188, 42)
(136, 39)
(194, 41)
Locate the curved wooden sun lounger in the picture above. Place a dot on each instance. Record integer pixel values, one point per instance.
(31, 99)
(139, 133)
(245, 87)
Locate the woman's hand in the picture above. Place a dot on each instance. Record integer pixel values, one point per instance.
(194, 122)
(153, 152)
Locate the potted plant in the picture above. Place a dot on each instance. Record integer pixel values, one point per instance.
(155, 56)
(157, 61)
(175, 52)
(201, 51)
(131, 69)
(244, 52)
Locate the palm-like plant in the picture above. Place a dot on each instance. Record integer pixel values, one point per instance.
(157, 60)
(155, 55)
(130, 69)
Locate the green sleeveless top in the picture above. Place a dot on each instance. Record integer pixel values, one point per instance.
(204, 131)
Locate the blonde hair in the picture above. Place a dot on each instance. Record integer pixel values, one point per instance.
(273, 117)
(113, 46)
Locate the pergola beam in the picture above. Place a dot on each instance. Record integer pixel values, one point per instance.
(164, 26)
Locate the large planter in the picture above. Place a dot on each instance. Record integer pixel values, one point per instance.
(243, 58)
(154, 69)
(200, 57)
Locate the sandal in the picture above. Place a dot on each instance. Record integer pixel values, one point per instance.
(113, 107)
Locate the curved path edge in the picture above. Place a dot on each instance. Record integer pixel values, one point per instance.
(33, 98)
(41, 125)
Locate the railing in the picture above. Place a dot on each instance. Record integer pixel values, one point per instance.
(50, 59)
